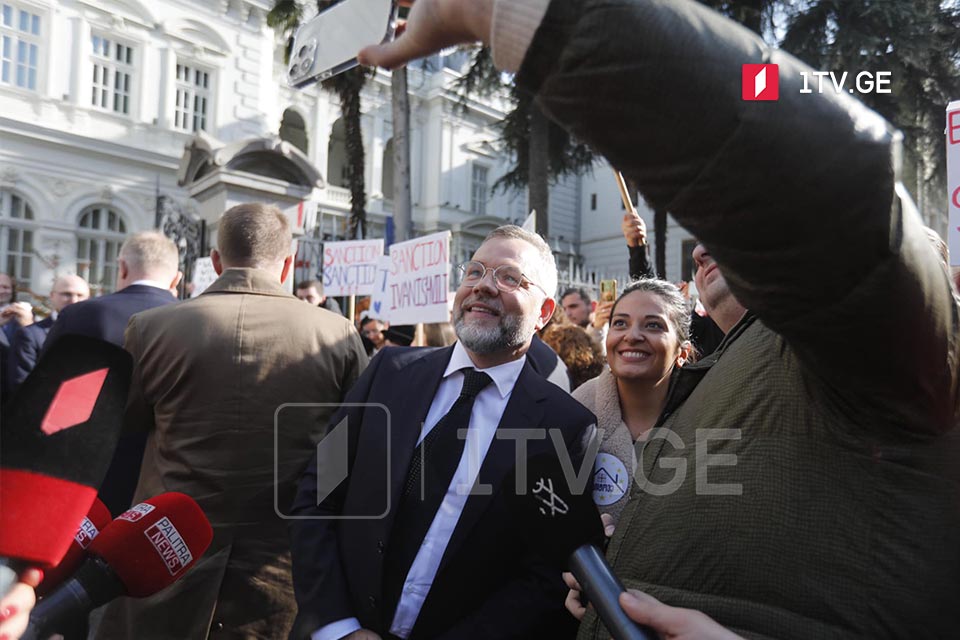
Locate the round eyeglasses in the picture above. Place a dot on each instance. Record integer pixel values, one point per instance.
(507, 278)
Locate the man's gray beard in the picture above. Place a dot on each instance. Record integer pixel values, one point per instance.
(510, 333)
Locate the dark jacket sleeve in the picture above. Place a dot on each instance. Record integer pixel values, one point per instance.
(319, 582)
(24, 351)
(640, 263)
(58, 329)
(795, 199)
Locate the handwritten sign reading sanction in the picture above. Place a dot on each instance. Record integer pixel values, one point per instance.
(953, 180)
(350, 267)
(418, 281)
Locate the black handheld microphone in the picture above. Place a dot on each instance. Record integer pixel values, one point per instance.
(565, 525)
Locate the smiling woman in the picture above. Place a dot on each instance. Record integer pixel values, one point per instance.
(649, 336)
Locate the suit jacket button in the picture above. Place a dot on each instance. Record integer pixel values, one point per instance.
(380, 546)
(373, 602)
(218, 626)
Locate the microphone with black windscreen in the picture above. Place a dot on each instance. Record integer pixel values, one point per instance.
(59, 432)
(565, 526)
(147, 548)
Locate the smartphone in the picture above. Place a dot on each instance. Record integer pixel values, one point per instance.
(608, 290)
(328, 43)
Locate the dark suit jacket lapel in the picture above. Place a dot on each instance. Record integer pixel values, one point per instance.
(45, 325)
(524, 410)
(408, 393)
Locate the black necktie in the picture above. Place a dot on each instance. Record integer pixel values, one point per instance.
(434, 462)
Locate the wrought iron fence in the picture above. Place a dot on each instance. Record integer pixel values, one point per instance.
(188, 231)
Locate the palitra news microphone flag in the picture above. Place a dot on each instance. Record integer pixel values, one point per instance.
(147, 548)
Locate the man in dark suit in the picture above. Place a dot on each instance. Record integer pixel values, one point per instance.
(148, 268)
(311, 291)
(403, 548)
(28, 341)
(13, 316)
(147, 272)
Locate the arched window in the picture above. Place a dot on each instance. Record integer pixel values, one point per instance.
(337, 155)
(294, 130)
(386, 184)
(99, 236)
(16, 237)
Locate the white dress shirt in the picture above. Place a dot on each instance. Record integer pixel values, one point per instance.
(487, 410)
(151, 283)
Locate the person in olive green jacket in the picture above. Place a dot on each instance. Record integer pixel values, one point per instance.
(802, 481)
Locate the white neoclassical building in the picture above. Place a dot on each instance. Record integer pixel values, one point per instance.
(113, 109)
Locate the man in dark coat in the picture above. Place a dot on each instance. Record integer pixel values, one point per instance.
(311, 291)
(28, 341)
(13, 315)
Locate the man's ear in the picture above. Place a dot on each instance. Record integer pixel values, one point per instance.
(593, 306)
(217, 264)
(546, 312)
(176, 280)
(287, 265)
(123, 270)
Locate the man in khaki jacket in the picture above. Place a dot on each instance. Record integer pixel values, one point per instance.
(212, 382)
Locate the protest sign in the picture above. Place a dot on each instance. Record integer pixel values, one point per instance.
(350, 267)
(953, 180)
(418, 280)
(203, 275)
(379, 305)
(530, 224)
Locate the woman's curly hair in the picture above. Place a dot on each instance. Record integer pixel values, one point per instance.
(580, 352)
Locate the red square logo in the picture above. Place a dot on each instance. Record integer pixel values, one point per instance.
(761, 82)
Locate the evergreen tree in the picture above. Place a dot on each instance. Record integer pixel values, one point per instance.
(917, 41)
(540, 149)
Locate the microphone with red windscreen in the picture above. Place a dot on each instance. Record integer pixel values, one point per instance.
(90, 527)
(147, 548)
(59, 433)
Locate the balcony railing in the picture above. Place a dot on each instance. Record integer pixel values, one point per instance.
(335, 196)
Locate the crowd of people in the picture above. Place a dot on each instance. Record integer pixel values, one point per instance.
(785, 466)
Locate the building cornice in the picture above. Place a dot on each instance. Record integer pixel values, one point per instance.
(86, 145)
